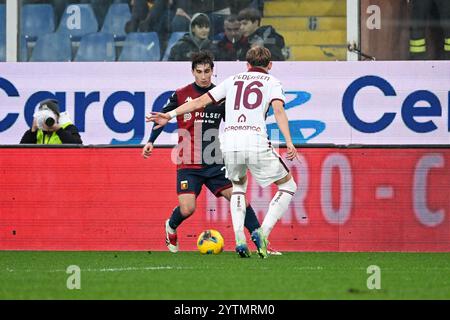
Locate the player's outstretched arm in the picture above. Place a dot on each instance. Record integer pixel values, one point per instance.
(148, 148)
(162, 118)
(283, 124)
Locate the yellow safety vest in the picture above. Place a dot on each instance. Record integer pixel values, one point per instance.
(53, 139)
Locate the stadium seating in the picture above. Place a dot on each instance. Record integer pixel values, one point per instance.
(52, 47)
(312, 29)
(117, 16)
(2, 18)
(96, 47)
(2, 46)
(78, 20)
(141, 46)
(174, 37)
(23, 49)
(37, 19)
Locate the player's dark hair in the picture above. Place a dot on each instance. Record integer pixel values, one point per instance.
(250, 14)
(202, 57)
(258, 56)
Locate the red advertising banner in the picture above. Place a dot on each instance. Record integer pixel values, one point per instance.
(349, 199)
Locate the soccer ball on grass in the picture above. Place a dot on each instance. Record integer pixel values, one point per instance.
(210, 242)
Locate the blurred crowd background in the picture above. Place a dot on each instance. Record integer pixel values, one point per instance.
(171, 30)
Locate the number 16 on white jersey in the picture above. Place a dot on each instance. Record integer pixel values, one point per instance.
(248, 96)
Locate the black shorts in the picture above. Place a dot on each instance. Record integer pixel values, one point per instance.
(192, 180)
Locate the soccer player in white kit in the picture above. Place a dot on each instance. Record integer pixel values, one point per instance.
(244, 142)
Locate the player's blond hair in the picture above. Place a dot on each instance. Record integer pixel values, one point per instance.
(258, 56)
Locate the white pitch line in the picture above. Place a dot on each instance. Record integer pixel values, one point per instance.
(106, 269)
(135, 269)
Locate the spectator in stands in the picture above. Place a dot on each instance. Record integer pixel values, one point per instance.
(420, 15)
(50, 126)
(194, 41)
(184, 10)
(150, 15)
(264, 36)
(230, 45)
(237, 5)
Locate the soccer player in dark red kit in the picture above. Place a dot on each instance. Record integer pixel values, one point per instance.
(199, 158)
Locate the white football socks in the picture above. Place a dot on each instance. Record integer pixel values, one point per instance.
(238, 209)
(279, 205)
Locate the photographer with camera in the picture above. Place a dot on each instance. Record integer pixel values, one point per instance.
(51, 126)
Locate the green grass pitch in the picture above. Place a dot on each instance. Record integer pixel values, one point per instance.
(189, 275)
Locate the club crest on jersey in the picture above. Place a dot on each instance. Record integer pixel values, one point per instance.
(187, 117)
(184, 185)
(242, 118)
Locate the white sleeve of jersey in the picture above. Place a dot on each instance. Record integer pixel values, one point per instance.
(277, 92)
(219, 92)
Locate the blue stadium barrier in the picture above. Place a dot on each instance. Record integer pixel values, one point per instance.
(117, 16)
(141, 46)
(174, 37)
(2, 47)
(97, 46)
(52, 47)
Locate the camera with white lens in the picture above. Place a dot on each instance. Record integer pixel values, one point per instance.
(47, 113)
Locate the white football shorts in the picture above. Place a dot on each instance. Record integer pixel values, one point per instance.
(265, 166)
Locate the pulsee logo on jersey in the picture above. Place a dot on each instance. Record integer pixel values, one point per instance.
(187, 117)
(207, 115)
